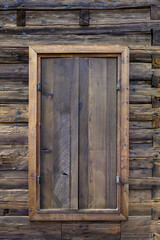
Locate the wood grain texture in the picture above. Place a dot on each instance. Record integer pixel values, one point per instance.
(46, 164)
(76, 4)
(83, 132)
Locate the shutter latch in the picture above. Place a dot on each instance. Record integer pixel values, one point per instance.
(118, 179)
(118, 86)
(39, 86)
(39, 179)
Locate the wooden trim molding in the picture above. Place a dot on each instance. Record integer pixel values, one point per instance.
(119, 214)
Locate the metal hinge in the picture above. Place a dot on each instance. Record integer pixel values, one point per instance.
(118, 179)
(39, 179)
(118, 86)
(39, 87)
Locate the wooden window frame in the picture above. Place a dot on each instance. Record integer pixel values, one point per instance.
(119, 214)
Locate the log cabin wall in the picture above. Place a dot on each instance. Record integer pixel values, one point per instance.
(124, 22)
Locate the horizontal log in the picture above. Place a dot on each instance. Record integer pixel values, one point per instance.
(16, 134)
(140, 196)
(14, 71)
(13, 179)
(111, 29)
(142, 112)
(13, 55)
(140, 71)
(13, 157)
(21, 228)
(139, 99)
(97, 17)
(13, 113)
(8, 19)
(141, 163)
(140, 56)
(140, 209)
(137, 125)
(144, 183)
(74, 4)
(142, 135)
(140, 173)
(143, 88)
(137, 227)
(143, 151)
(107, 39)
(13, 199)
(14, 92)
(95, 231)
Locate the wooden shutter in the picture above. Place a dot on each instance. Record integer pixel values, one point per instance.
(59, 133)
(81, 136)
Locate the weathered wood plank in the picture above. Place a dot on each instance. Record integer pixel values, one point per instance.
(137, 124)
(144, 183)
(83, 132)
(13, 157)
(14, 199)
(62, 4)
(13, 113)
(142, 112)
(27, 39)
(15, 134)
(13, 55)
(13, 179)
(96, 231)
(139, 99)
(97, 17)
(13, 71)
(143, 88)
(65, 119)
(143, 150)
(47, 136)
(140, 173)
(140, 71)
(13, 92)
(136, 228)
(97, 140)
(141, 163)
(8, 18)
(111, 129)
(138, 196)
(142, 135)
(51, 18)
(21, 228)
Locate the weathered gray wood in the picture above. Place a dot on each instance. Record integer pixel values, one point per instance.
(41, 39)
(46, 161)
(83, 132)
(65, 72)
(13, 4)
(13, 55)
(26, 229)
(8, 19)
(14, 113)
(13, 157)
(111, 132)
(14, 71)
(13, 134)
(13, 179)
(89, 231)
